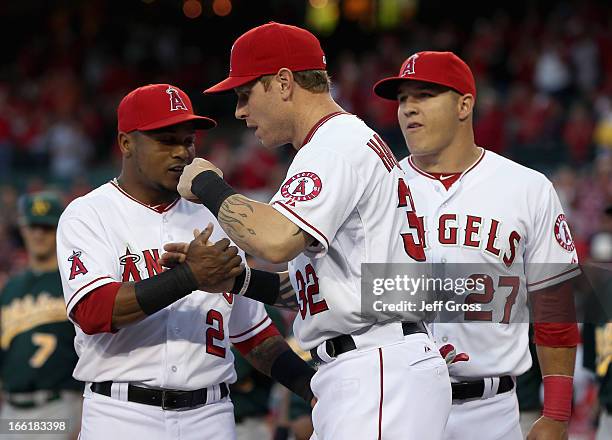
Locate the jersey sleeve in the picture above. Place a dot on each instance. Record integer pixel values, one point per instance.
(320, 191)
(550, 255)
(249, 324)
(84, 258)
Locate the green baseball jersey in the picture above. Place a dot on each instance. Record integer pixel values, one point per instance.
(36, 339)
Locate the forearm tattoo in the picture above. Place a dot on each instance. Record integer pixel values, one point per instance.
(233, 214)
(263, 355)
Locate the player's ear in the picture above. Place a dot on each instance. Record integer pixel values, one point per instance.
(126, 144)
(465, 106)
(285, 82)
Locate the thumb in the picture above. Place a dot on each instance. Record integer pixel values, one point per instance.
(205, 234)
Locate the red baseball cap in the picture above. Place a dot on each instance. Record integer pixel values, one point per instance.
(266, 49)
(444, 68)
(156, 106)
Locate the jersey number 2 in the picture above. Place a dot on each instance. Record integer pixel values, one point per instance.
(307, 288)
(212, 333)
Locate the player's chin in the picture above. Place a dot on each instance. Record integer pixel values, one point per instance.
(170, 183)
(416, 147)
(270, 144)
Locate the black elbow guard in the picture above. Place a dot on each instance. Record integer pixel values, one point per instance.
(291, 371)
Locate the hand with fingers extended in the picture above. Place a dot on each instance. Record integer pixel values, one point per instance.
(175, 253)
(214, 265)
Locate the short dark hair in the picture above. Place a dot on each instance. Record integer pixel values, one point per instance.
(315, 81)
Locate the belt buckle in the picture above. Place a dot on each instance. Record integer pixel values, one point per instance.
(329, 348)
(163, 401)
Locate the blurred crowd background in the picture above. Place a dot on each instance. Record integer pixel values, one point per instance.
(543, 71)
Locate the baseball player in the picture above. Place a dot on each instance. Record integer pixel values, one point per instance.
(484, 209)
(154, 350)
(36, 352)
(337, 208)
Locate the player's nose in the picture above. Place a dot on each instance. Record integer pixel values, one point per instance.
(181, 151)
(408, 108)
(241, 110)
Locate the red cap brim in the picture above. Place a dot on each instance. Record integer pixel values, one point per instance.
(387, 88)
(200, 122)
(230, 83)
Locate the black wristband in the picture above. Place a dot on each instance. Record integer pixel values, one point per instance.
(263, 286)
(158, 292)
(238, 282)
(212, 190)
(291, 371)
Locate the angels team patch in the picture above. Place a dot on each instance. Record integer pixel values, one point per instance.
(302, 187)
(562, 234)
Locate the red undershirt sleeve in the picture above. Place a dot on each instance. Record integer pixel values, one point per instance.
(94, 313)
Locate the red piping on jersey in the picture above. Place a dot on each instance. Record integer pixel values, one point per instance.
(88, 284)
(304, 221)
(160, 209)
(251, 329)
(321, 121)
(424, 173)
(380, 406)
(552, 278)
(246, 346)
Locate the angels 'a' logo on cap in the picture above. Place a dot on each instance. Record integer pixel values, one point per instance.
(562, 234)
(409, 67)
(176, 102)
(302, 187)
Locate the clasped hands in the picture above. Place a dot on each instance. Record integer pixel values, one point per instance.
(214, 265)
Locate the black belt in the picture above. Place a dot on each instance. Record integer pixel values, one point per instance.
(167, 399)
(475, 389)
(343, 343)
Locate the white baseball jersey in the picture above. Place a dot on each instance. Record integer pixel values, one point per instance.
(508, 217)
(108, 236)
(345, 188)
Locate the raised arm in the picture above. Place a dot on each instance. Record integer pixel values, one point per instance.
(255, 227)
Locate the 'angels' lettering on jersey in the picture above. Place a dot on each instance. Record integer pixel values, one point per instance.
(507, 221)
(472, 232)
